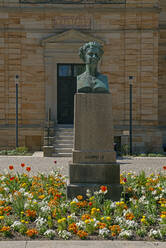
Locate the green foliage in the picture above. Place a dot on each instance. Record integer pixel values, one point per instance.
(125, 150)
(18, 204)
(14, 152)
(22, 149)
(150, 154)
(22, 229)
(141, 232)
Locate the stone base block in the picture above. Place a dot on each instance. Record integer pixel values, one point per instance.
(114, 190)
(48, 151)
(108, 173)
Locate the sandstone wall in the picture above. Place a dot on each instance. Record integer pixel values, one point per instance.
(162, 64)
(130, 36)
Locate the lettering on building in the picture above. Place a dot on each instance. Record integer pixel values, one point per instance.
(83, 22)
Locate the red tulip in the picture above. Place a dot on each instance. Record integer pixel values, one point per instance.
(28, 169)
(12, 178)
(103, 188)
(11, 167)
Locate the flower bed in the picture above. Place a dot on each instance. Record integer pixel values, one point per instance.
(36, 207)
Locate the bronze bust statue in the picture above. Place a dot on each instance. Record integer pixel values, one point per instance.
(91, 81)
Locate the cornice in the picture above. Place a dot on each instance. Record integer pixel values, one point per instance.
(74, 7)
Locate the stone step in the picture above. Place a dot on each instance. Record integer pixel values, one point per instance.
(64, 126)
(62, 137)
(63, 145)
(64, 130)
(63, 134)
(63, 150)
(62, 155)
(63, 141)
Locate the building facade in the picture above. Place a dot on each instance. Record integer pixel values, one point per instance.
(39, 41)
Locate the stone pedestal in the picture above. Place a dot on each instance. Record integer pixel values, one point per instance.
(94, 160)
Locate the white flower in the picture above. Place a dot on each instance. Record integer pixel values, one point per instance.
(131, 224)
(16, 223)
(133, 201)
(88, 193)
(49, 233)
(28, 195)
(125, 212)
(155, 233)
(156, 198)
(64, 205)
(119, 220)
(96, 223)
(6, 189)
(26, 205)
(64, 234)
(21, 190)
(96, 193)
(126, 234)
(75, 200)
(80, 224)
(103, 192)
(164, 190)
(73, 215)
(154, 192)
(113, 205)
(10, 198)
(104, 232)
(142, 199)
(5, 171)
(45, 209)
(2, 198)
(2, 178)
(40, 222)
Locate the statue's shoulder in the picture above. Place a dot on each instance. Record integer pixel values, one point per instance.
(81, 76)
(102, 77)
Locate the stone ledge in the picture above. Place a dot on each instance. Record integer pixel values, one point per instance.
(94, 173)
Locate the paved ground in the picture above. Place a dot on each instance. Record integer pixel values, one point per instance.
(78, 244)
(43, 164)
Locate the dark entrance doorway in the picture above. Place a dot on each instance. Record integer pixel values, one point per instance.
(67, 87)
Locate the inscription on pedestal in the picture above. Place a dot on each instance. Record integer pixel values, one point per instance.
(80, 156)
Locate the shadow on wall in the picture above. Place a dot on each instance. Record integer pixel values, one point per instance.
(33, 143)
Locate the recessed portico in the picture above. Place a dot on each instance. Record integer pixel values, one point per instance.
(61, 49)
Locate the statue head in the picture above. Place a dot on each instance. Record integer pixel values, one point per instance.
(91, 52)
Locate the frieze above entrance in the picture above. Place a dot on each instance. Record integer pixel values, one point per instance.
(74, 1)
